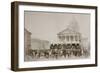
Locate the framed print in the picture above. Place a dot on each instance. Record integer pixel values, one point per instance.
(52, 36)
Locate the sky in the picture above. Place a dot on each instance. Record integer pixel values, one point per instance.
(46, 25)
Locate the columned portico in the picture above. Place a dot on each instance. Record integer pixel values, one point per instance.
(69, 38)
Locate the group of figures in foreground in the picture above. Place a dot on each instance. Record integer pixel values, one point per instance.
(58, 51)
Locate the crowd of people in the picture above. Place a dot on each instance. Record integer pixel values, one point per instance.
(57, 51)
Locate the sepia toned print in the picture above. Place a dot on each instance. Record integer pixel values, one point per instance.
(56, 36)
(53, 36)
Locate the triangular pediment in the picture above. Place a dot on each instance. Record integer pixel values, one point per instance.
(67, 31)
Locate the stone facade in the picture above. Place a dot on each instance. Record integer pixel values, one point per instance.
(27, 41)
(38, 44)
(71, 34)
(68, 36)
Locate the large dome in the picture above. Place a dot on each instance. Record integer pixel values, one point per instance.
(73, 25)
(71, 28)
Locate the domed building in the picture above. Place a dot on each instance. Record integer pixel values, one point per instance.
(71, 34)
(69, 41)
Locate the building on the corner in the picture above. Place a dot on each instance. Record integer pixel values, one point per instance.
(27, 41)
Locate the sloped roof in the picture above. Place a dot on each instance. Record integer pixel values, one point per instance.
(67, 31)
(25, 30)
(71, 28)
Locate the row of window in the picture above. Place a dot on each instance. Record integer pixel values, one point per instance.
(70, 38)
